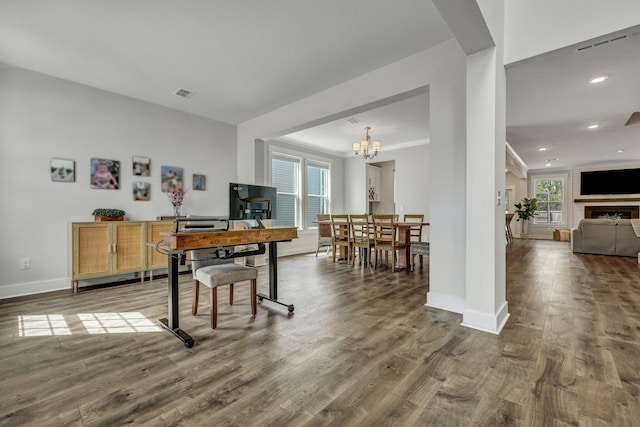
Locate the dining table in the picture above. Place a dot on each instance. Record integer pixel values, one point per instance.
(404, 228)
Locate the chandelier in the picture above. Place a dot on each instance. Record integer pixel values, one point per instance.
(362, 147)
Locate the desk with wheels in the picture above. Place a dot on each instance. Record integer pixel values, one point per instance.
(181, 242)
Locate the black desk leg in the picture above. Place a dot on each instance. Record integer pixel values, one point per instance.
(273, 279)
(172, 324)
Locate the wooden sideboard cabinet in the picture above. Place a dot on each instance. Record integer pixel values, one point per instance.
(107, 248)
(155, 259)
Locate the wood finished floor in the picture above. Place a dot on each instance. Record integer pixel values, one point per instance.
(361, 349)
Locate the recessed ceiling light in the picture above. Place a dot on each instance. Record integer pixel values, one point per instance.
(593, 126)
(542, 149)
(598, 79)
(548, 164)
(620, 151)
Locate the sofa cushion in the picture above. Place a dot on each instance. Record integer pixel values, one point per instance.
(627, 243)
(598, 236)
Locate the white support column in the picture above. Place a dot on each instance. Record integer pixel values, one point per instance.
(447, 190)
(485, 298)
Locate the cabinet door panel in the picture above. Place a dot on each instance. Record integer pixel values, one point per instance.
(129, 239)
(155, 258)
(92, 250)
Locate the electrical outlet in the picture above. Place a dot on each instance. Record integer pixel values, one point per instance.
(25, 263)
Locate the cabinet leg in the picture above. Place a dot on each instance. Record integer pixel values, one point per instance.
(75, 286)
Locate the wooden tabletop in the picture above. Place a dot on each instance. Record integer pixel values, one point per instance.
(209, 239)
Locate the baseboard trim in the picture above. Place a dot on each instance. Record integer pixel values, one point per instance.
(492, 323)
(23, 289)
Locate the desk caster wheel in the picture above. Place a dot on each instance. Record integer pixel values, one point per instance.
(189, 344)
(260, 299)
(290, 308)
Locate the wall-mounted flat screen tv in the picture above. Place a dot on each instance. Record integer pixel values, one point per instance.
(252, 201)
(616, 181)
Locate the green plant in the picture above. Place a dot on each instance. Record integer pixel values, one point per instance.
(108, 212)
(526, 209)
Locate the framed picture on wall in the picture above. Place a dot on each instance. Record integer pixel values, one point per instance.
(199, 182)
(171, 178)
(63, 170)
(141, 190)
(105, 174)
(141, 166)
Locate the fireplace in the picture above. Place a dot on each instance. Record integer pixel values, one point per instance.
(625, 212)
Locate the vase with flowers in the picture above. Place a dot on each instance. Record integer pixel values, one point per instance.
(176, 197)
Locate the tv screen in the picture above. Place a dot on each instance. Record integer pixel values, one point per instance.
(617, 181)
(252, 201)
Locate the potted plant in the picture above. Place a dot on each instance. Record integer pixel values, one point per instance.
(526, 210)
(102, 214)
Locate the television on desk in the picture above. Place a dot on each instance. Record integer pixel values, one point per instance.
(252, 201)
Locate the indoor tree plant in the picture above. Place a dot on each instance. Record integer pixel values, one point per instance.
(102, 214)
(526, 210)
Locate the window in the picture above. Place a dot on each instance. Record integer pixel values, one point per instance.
(285, 176)
(550, 195)
(317, 191)
(291, 174)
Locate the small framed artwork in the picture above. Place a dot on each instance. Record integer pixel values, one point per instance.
(63, 170)
(199, 182)
(141, 166)
(105, 174)
(141, 190)
(171, 178)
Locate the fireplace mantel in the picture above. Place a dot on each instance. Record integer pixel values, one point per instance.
(617, 199)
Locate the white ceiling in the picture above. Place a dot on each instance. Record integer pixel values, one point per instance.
(550, 103)
(244, 58)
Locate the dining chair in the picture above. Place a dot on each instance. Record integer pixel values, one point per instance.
(361, 238)
(341, 236)
(417, 246)
(325, 237)
(385, 238)
(415, 232)
(214, 272)
(507, 227)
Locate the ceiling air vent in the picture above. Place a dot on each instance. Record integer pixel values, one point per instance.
(183, 93)
(353, 121)
(601, 42)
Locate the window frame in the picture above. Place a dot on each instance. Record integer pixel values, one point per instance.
(566, 189)
(325, 197)
(305, 159)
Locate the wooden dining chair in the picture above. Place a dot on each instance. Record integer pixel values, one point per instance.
(507, 228)
(361, 238)
(385, 238)
(341, 236)
(415, 232)
(325, 236)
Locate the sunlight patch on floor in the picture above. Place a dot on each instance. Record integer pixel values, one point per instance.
(42, 325)
(39, 325)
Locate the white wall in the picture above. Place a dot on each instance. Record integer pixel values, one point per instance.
(45, 117)
(533, 27)
(442, 70)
